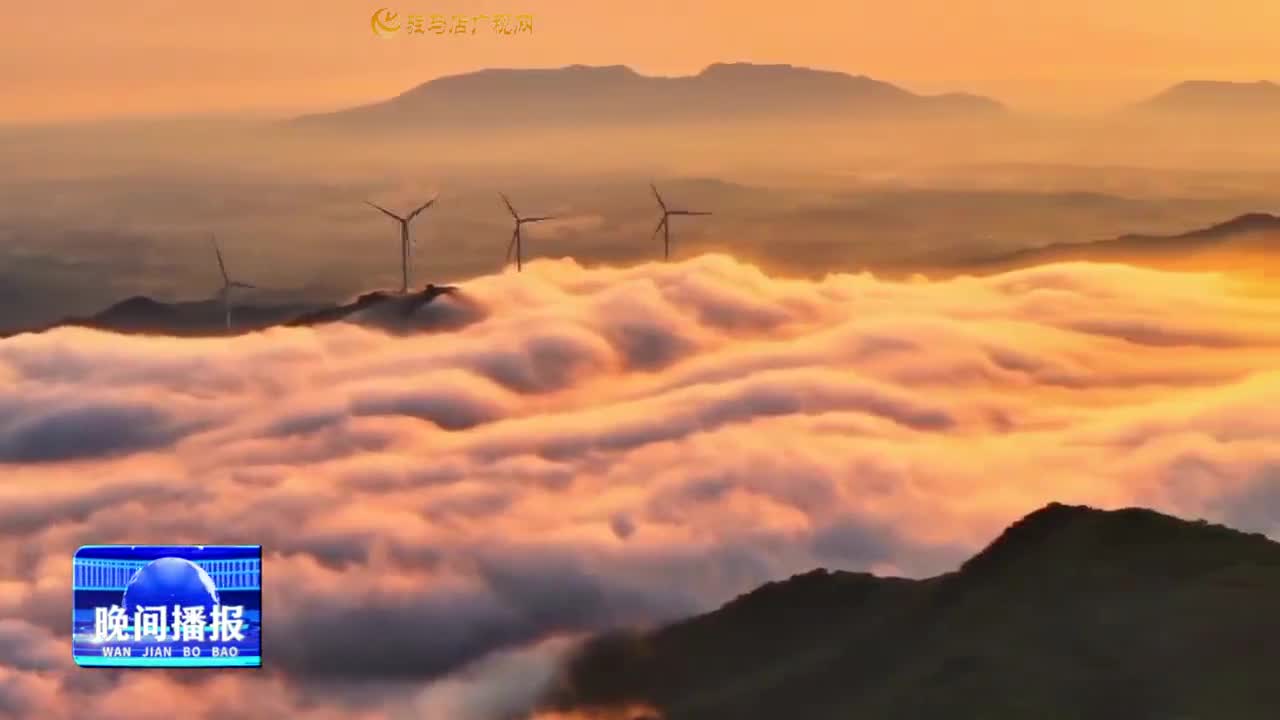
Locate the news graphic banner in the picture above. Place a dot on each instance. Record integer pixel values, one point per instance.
(167, 606)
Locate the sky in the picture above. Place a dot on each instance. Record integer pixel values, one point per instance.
(67, 60)
(602, 447)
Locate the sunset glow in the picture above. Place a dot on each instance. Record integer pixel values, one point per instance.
(638, 462)
(88, 60)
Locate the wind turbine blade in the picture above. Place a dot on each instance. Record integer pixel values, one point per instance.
(388, 212)
(654, 188)
(243, 285)
(221, 266)
(422, 207)
(538, 219)
(507, 202)
(658, 229)
(511, 246)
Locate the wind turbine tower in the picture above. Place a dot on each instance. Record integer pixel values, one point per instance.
(404, 237)
(665, 223)
(517, 240)
(227, 282)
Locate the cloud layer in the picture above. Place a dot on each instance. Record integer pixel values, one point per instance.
(443, 512)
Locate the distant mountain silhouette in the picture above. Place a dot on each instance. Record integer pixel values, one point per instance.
(1071, 613)
(579, 94)
(1216, 98)
(1250, 240)
(142, 315)
(1241, 225)
(400, 313)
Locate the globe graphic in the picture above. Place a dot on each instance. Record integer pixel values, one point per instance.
(170, 581)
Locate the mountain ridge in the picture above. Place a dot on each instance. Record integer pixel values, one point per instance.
(143, 315)
(618, 94)
(1248, 222)
(1214, 97)
(1072, 612)
(1255, 232)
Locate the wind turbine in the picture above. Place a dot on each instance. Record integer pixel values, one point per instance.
(517, 241)
(404, 237)
(665, 224)
(227, 282)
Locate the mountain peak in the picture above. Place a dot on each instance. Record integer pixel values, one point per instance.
(1027, 533)
(610, 71)
(1215, 96)
(1201, 85)
(760, 69)
(1136, 540)
(1249, 222)
(803, 78)
(137, 302)
(1254, 222)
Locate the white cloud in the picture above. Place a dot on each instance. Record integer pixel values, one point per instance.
(599, 447)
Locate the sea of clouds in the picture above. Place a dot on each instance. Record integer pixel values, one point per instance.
(444, 514)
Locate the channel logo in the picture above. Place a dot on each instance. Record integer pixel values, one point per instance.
(167, 606)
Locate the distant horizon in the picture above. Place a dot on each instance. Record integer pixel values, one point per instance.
(278, 112)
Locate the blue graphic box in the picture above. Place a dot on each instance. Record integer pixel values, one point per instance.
(167, 606)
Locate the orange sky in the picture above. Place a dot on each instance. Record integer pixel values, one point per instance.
(71, 59)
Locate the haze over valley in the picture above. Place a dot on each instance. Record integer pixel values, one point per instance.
(872, 177)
